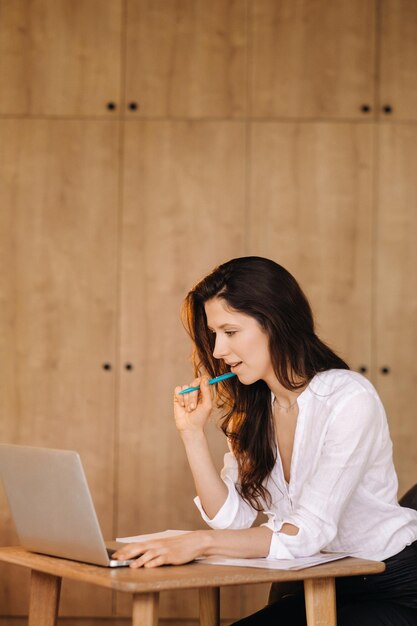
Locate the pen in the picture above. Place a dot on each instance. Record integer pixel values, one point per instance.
(212, 381)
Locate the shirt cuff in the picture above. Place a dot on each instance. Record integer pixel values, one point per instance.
(277, 550)
(225, 515)
(277, 547)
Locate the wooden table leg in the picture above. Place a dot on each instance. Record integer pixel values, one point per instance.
(209, 606)
(145, 609)
(44, 599)
(320, 597)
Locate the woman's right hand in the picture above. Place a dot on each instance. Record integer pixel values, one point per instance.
(192, 410)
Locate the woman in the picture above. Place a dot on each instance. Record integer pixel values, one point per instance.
(309, 446)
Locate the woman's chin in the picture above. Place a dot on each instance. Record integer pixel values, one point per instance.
(247, 380)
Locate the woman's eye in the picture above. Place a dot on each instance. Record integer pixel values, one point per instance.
(229, 333)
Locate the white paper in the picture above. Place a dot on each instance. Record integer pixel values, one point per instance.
(279, 564)
(164, 533)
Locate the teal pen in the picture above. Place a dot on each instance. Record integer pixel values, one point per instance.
(212, 381)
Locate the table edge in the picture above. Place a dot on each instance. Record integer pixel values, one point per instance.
(196, 575)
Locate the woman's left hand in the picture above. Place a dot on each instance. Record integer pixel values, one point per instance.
(166, 551)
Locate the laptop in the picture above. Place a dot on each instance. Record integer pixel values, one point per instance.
(51, 504)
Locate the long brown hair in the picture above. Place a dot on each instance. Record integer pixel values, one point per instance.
(269, 293)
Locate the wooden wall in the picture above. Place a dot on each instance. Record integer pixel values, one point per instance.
(142, 142)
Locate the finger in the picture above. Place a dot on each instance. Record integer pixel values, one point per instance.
(156, 562)
(196, 397)
(191, 398)
(120, 554)
(185, 397)
(206, 392)
(131, 551)
(146, 558)
(179, 399)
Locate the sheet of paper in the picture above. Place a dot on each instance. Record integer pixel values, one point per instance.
(164, 533)
(283, 564)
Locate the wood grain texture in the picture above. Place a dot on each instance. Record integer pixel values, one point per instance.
(320, 601)
(44, 599)
(60, 58)
(395, 301)
(58, 290)
(194, 575)
(398, 58)
(254, 598)
(209, 606)
(145, 609)
(311, 59)
(311, 211)
(186, 58)
(183, 214)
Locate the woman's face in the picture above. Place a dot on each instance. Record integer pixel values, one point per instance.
(240, 342)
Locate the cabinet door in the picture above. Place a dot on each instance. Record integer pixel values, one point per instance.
(186, 58)
(59, 58)
(310, 210)
(311, 59)
(396, 293)
(183, 214)
(398, 59)
(58, 229)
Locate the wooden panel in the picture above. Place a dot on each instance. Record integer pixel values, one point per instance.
(183, 214)
(59, 58)
(398, 58)
(58, 304)
(186, 58)
(311, 58)
(254, 597)
(310, 210)
(396, 293)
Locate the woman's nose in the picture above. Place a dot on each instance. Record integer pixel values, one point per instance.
(220, 348)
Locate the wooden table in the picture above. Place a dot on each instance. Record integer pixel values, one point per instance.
(145, 585)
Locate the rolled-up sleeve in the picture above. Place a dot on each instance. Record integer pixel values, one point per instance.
(235, 512)
(350, 441)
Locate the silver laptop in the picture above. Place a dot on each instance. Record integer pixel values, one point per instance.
(51, 504)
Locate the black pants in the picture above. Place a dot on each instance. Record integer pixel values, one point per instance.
(386, 599)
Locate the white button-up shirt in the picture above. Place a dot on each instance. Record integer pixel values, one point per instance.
(342, 493)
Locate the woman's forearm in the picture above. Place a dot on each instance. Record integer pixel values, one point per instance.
(210, 488)
(249, 543)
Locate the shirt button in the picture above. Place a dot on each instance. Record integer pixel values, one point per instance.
(365, 578)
